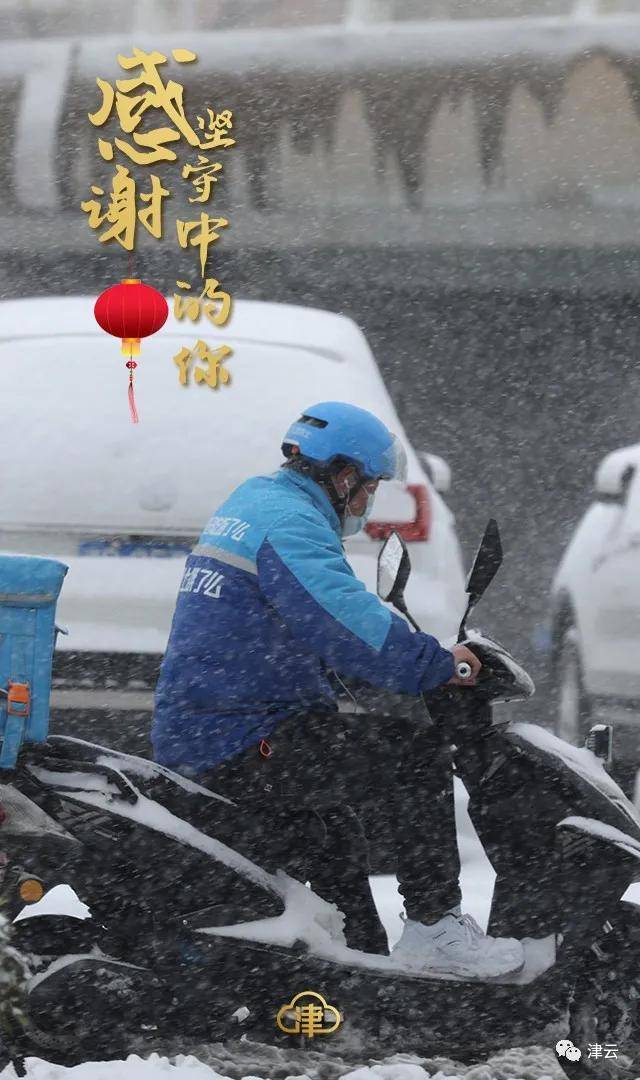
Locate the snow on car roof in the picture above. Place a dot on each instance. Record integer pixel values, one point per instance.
(320, 331)
(70, 456)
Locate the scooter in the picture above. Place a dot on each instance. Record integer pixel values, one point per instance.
(190, 936)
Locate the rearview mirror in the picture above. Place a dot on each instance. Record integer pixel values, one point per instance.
(487, 562)
(394, 566)
(483, 570)
(437, 470)
(614, 475)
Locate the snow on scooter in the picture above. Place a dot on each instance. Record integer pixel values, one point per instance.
(190, 936)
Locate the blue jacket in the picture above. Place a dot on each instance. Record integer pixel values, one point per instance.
(267, 603)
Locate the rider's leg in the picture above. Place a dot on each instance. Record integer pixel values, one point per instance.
(320, 760)
(340, 760)
(344, 758)
(280, 828)
(339, 872)
(272, 831)
(422, 810)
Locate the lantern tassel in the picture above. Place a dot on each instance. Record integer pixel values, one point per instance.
(131, 364)
(132, 402)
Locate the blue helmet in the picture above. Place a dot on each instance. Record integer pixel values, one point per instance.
(335, 429)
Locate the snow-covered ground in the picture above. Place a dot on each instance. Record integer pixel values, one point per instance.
(254, 1062)
(348, 1058)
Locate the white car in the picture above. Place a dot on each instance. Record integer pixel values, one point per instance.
(596, 612)
(122, 504)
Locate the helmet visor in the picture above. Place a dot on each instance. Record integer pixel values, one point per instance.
(395, 464)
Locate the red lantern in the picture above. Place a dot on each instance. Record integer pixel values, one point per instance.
(131, 310)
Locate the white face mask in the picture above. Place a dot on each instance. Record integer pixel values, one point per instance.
(352, 524)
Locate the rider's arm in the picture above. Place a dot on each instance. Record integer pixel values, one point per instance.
(304, 575)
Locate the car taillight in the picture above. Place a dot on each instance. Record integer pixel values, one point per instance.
(418, 529)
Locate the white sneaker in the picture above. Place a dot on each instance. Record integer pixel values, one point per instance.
(456, 945)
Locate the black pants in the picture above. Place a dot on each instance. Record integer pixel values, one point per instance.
(305, 798)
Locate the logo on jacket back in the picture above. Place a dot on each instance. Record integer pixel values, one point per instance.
(198, 579)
